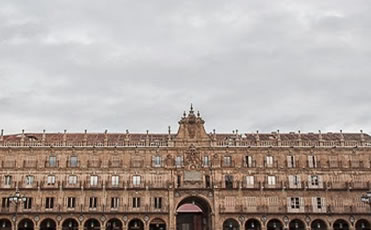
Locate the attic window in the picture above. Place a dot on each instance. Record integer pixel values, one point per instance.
(32, 138)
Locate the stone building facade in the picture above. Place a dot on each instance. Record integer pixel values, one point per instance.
(191, 180)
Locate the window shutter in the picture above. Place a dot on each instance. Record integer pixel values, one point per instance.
(301, 203)
(289, 162)
(324, 207)
(289, 209)
(320, 181)
(299, 181)
(291, 181)
(310, 162)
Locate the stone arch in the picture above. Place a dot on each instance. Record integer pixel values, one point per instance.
(70, 224)
(157, 224)
(114, 224)
(26, 224)
(253, 224)
(231, 224)
(136, 224)
(274, 224)
(5, 224)
(48, 224)
(362, 224)
(340, 224)
(198, 196)
(92, 224)
(296, 224)
(318, 224)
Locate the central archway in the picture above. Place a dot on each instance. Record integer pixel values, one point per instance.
(193, 213)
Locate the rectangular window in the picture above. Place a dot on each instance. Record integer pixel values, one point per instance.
(229, 181)
(250, 180)
(158, 202)
(319, 202)
(29, 180)
(136, 202)
(73, 161)
(5, 202)
(72, 179)
(71, 202)
(93, 180)
(314, 180)
(312, 162)
(269, 161)
(8, 180)
(207, 181)
(51, 180)
(178, 181)
(227, 161)
(115, 202)
(179, 161)
(136, 180)
(115, 180)
(206, 161)
(93, 202)
(52, 161)
(49, 203)
(291, 161)
(156, 161)
(295, 202)
(27, 204)
(271, 180)
(248, 161)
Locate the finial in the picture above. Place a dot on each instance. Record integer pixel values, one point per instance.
(127, 131)
(2, 132)
(257, 131)
(341, 131)
(319, 131)
(22, 131)
(214, 131)
(169, 129)
(105, 131)
(147, 131)
(278, 131)
(191, 108)
(65, 131)
(299, 131)
(86, 131)
(361, 131)
(198, 114)
(184, 114)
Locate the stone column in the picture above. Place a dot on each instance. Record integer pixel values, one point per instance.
(216, 225)
(172, 217)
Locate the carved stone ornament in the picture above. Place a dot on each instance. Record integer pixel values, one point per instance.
(193, 158)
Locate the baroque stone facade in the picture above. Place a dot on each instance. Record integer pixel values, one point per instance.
(190, 180)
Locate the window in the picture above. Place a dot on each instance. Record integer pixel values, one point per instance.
(291, 162)
(51, 180)
(179, 161)
(136, 202)
(8, 180)
(250, 180)
(229, 181)
(206, 161)
(115, 202)
(71, 202)
(156, 161)
(27, 203)
(227, 161)
(271, 180)
(52, 161)
(207, 181)
(158, 202)
(269, 161)
(73, 161)
(93, 180)
(248, 161)
(314, 180)
(5, 202)
(93, 202)
(136, 180)
(295, 203)
(29, 180)
(319, 202)
(72, 179)
(115, 180)
(312, 162)
(49, 203)
(294, 181)
(178, 181)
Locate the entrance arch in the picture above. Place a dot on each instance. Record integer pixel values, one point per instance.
(194, 213)
(114, 224)
(70, 224)
(362, 224)
(341, 224)
(92, 224)
(136, 224)
(252, 224)
(26, 224)
(231, 224)
(5, 224)
(274, 224)
(318, 224)
(296, 224)
(157, 224)
(48, 224)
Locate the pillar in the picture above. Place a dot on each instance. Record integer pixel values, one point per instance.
(172, 217)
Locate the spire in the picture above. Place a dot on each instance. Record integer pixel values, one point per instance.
(191, 112)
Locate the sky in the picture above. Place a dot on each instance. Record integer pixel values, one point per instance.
(244, 64)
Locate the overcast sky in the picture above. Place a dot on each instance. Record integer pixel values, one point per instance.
(137, 65)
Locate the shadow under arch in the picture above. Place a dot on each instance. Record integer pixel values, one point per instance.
(48, 224)
(193, 213)
(114, 224)
(252, 224)
(70, 224)
(318, 224)
(362, 224)
(5, 224)
(157, 224)
(231, 224)
(136, 224)
(26, 224)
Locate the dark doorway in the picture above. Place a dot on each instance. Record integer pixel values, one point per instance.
(70, 224)
(157, 224)
(274, 224)
(252, 224)
(296, 224)
(231, 224)
(341, 224)
(114, 224)
(193, 213)
(48, 224)
(362, 224)
(26, 224)
(5, 224)
(92, 224)
(318, 225)
(136, 224)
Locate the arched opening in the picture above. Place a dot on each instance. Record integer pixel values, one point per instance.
(274, 224)
(296, 224)
(193, 213)
(92, 224)
(252, 224)
(26, 224)
(48, 224)
(341, 224)
(362, 224)
(318, 224)
(157, 224)
(114, 224)
(136, 224)
(70, 224)
(5, 224)
(231, 224)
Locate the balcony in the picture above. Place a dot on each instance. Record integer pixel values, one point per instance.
(360, 185)
(277, 185)
(50, 164)
(274, 164)
(66, 185)
(94, 163)
(338, 185)
(254, 186)
(136, 163)
(115, 164)
(251, 164)
(97, 186)
(8, 164)
(141, 185)
(46, 185)
(72, 164)
(227, 164)
(30, 163)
